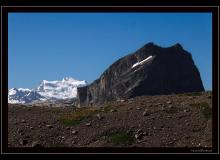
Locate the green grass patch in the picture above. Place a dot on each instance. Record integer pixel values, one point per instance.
(78, 115)
(119, 138)
(204, 108)
(69, 121)
(55, 110)
(207, 112)
(107, 108)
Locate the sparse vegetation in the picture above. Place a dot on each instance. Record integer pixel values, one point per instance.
(83, 113)
(207, 112)
(78, 115)
(115, 124)
(69, 122)
(204, 108)
(55, 110)
(119, 138)
(108, 108)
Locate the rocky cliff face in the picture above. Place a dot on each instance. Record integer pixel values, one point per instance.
(151, 70)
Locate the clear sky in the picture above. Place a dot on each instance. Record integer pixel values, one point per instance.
(51, 46)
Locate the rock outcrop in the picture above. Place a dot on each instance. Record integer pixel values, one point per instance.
(151, 70)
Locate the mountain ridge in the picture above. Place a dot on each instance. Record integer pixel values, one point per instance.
(46, 91)
(170, 70)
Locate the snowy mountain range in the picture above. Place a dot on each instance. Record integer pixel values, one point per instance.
(47, 91)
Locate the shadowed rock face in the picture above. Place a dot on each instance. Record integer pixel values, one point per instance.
(161, 71)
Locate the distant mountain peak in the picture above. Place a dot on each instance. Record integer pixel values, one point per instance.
(69, 79)
(47, 90)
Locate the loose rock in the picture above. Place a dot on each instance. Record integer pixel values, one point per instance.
(36, 144)
(186, 110)
(145, 113)
(19, 130)
(144, 133)
(23, 141)
(49, 126)
(68, 128)
(112, 110)
(139, 131)
(138, 136)
(129, 131)
(99, 116)
(88, 124)
(169, 102)
(170, 107)
(74, 132)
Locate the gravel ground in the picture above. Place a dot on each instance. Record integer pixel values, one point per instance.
(182, 120)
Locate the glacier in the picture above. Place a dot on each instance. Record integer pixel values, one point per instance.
(47, 91)
(142, 62)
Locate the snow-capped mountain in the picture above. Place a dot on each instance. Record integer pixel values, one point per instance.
(67, 88)
(47, 90)
(21, 95)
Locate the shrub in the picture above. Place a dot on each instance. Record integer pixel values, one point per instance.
(204, 108)
(77, 116)
(119, 138)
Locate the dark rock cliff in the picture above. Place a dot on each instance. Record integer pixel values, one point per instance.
(160, 71)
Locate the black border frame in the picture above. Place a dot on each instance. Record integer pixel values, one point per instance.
(4, 52)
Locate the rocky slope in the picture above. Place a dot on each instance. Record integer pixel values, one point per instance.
(151, 70)
(177, 120)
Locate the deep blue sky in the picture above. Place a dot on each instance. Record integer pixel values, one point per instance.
(82, 45)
